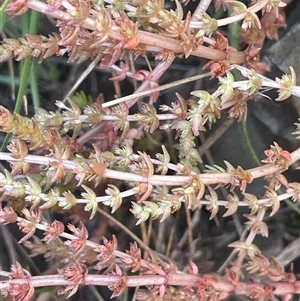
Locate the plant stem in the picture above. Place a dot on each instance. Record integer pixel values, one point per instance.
(147, 38)
(201, 8)
(160, 88)
(177, 180)
(279, 288)
(253, 9)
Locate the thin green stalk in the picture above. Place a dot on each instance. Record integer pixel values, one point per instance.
(34, 88)
(30, 22)
(3, 14)
(248, 143)
(292, 205)
(5, 142)
(3, 6)
(34, 21)
(234, 41)
(3, 19)
(29, 25)
(24, 76)
(233, 29)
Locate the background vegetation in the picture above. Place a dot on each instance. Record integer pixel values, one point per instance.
(200, 170)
